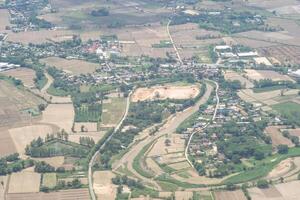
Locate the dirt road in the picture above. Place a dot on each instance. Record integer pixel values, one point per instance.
(169, 127)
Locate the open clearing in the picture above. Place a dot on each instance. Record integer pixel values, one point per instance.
(165, 92)
(61, 195)
(113, 111)
(232, 76)
(281, 169)
(277, 137)
(61, 115)
(22, 136)
(284, 191)
(56, 161)
(103, 186)
(26, 75)
(49, 180)
(24, 182)
(266, 74)
(75, 67)
(230, 195)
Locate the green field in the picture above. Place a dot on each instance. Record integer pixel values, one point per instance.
(289, 110)
(113, 111)
(49, 180)
(88, 113)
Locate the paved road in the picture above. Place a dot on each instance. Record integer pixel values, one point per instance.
(169, 127)
(213, 118)
(91, 163)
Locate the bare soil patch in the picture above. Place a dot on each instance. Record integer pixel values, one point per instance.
(75, 67)
(183, 195)
(266, 74)
(281, 169)
(103, 186)
(232, 76)
(164, 92)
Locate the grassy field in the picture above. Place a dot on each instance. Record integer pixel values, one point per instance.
(88, 113)
(289, 110)
(49, 180)
(113, 111)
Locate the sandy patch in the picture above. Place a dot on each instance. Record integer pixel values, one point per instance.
(103, 186)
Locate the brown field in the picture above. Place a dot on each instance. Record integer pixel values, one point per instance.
(230, 195)
(7, 145)
(22, 136)
(94, 135)
(184, 37)
(20, 98)
(284, 191)
(87, 127)
(232, 75)
(82, 194)
(267, 98)
(57, 161)
(283, 53)
(164, 92)
(183, 195)
(26, 75)
(277, 137)
(281, 169)
(266, 74)
(75, 67)
(37, 37)
(3, 187)
(61, 115)
(24, 182)
(103, 186)
(294, 132)
(4, 19)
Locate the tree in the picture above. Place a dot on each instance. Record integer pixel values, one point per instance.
(42, 107)
(230, 186)
(167, 142)
(282, 149)
(262, 184)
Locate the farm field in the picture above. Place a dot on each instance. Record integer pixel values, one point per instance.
(75, 67)
(266, 74)
(3, 187)
(22, 136)
(289, 110)
(7, 145)
(49, 180)
(26, 75)
(284, 191)
(60, 115)
(229, 195)
(85, 127)
(277, 137)
(61, 195)
(113, 111)
(24, 182)
(103, 186)
(164, 92)
(232, 75)
(56, 161)
(4, 19)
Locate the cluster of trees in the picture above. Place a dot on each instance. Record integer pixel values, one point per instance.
(124, 180)
(12, 163)
(40, 78)
(269, 83)
(55, 147)
(43, 167)
(86, 141)
(88, 113)
(293, 138)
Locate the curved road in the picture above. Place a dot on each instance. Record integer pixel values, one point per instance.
(91, 163)
(169, 127)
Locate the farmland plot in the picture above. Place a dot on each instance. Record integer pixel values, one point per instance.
(229, 195)
(266, 74)
(277, 137)
(232, 75)
(26, 75)
(103, 186)
(24, 182)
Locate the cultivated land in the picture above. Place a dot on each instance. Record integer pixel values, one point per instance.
(113, 111)
(49, 180)
(75, 67)
(165, 92)
(232, 76)
(277, 137)
(230, 195)
(60, 115)
(103, 186)
(4, 19)
(24, 74)
(24, 182)
(266, 74)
